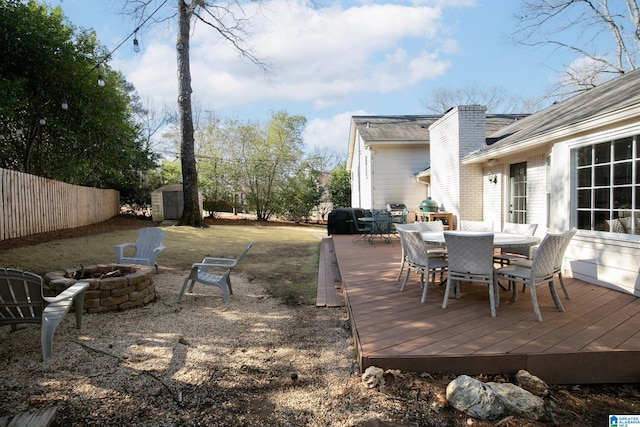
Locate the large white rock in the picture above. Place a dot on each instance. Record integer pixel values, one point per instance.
(474, 398)
(372, 376)
(519, 401)
(532, 383)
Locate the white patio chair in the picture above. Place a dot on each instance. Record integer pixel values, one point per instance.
(403, 257)
(514, 253)
(483, 226)
(22, 300)
(541, 270)
(470, 259)
(201, 273)
(146, 248)
(419, 260)
(427, 226)
(436, 251)
(557, 268)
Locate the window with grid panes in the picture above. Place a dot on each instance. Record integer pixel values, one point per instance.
(608, 186)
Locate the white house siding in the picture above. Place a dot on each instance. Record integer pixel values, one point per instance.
(394, 180)
(361, 175)
(492, 194)
(599, 258)
(537, 192)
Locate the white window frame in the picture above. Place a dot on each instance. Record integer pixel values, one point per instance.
(613, 212)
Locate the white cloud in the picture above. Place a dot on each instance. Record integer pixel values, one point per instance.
(321, 56)
(332, 133)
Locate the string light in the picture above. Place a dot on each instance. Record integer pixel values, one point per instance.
(136, 46)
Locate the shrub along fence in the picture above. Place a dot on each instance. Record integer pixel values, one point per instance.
(31, 204)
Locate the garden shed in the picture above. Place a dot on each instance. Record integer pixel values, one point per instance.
(167, 202)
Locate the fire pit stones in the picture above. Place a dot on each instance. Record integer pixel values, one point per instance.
(108, 291)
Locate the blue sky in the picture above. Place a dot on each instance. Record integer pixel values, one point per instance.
(330, 61)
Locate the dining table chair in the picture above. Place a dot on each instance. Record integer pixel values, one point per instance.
(485, 226)
(383, 225)
(433, 250)
(470, 258)
(518, 252)
(557, 268)
(363, 229)
(541, 270)
(419, 260)
(403, 257)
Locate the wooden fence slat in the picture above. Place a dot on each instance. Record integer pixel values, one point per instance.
(30, 204)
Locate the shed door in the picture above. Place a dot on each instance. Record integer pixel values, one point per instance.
(172, 204)
(518, 193)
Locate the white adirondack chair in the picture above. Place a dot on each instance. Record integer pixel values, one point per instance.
(200, 272)
(146, 248)
(22, 301)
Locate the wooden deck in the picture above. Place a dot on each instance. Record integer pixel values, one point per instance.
(596, 339)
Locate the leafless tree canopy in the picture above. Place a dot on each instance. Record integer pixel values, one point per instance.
(495, 98)
(600, 37)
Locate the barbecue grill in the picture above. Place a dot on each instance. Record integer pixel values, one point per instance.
(396, 209)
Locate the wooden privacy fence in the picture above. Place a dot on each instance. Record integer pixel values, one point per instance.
(31, 204)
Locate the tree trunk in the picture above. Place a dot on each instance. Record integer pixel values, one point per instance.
(191, 214)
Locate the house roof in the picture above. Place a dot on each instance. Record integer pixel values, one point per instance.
(416, 128)
(394, 128)
(612, 100)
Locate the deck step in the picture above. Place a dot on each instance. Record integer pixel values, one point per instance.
(35, 418)
(329, 279)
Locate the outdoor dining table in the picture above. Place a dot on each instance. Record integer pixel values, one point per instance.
(500, 240)
(380, 225)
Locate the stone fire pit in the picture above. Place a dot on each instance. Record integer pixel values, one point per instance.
(112, 287)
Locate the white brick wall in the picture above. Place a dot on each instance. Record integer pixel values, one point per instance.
(459, 187)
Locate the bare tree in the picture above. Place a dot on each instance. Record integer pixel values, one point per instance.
(602, 36)
(495, 98)
(228, 20)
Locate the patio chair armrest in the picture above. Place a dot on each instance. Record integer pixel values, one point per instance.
(124, 245)
(120, 249)
(205, 265)
(220, 262)
(69, 293)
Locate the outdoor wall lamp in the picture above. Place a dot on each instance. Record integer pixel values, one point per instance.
(493, 178)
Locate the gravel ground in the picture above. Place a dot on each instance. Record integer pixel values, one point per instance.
(199, 362)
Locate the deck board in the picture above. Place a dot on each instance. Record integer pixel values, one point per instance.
(594, 340)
